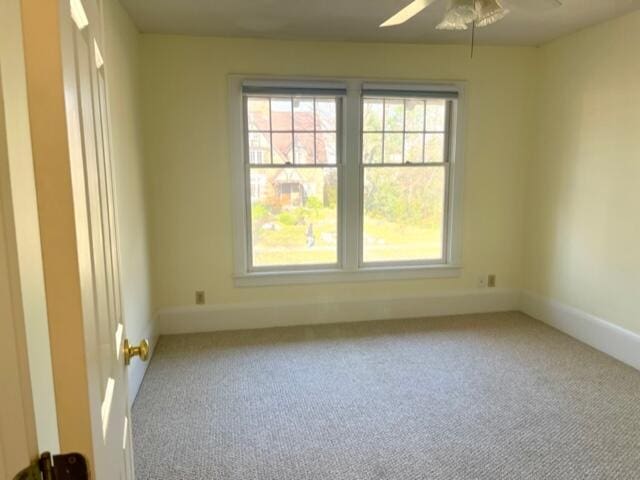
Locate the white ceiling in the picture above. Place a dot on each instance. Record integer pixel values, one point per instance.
(358, 20)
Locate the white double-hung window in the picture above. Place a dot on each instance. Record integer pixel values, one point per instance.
(344, 180)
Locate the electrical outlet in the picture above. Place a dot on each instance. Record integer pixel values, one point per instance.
(491, 281)
(482, 281)
(200, 297)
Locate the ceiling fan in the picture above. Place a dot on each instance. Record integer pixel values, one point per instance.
(460, 14)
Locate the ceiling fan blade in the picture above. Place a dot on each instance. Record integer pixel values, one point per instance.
(532, 5)
(407, 12)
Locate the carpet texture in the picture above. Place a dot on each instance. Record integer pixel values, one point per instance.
(496, 396)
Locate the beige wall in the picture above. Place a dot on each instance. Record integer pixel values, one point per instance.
(187, 154)
(583, 205)
(122, 63)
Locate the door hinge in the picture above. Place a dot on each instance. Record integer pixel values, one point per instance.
(68, 466)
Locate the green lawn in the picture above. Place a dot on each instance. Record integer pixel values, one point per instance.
(277, 243)
(385, 240)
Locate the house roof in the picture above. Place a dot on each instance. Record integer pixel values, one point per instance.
(282, 144)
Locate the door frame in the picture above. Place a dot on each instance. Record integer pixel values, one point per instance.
(18, 443)
(35, 417)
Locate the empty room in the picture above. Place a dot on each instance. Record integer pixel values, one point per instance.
(333, 240)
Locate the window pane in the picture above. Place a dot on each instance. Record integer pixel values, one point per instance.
(303, 114)
(372, 148)
(326, 148)
(372, 115)
(413, 147)
(281, 114)
(435, 115)
(282, 147)
(415, 116)
(326, 114)
(304, 148)
(258, 113)
(403, 213)
(393, 147)
(259, 148)
(294, 216)
(434, 147)
(394, 114)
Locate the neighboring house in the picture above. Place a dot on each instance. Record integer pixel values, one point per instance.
(285, 187)
(288, 187)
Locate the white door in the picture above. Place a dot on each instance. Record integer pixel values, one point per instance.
(96, 237)
(72, 168)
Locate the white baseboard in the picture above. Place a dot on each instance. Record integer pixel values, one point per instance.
(208, 318)
(596, 332)
(600, 334)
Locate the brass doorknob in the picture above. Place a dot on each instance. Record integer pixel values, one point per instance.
(141, 351)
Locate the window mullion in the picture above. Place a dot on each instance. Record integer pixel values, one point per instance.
(249, 234)
(384, 112)
(270, 132)
(351, 176)
(293, 136)
(404, 125)
(447, 132)
(424, 127)
(315, 133)
(446, 232)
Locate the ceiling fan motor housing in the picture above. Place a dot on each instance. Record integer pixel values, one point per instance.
(461, 13)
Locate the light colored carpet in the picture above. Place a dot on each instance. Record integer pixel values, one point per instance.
(497, 396)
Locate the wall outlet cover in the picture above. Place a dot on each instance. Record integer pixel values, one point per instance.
(200, 297)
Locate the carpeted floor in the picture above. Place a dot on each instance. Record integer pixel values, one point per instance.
(496, 396)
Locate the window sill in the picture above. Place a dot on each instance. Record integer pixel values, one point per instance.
(258, 279)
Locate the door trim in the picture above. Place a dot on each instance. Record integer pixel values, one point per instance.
(22, 230)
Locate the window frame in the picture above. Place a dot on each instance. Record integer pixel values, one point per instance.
(250, 267)
(446, 164)
(350, 173)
